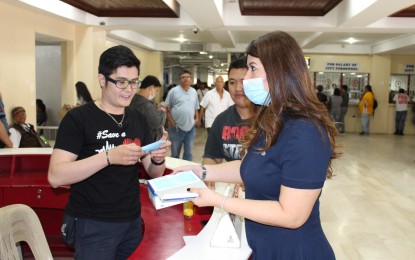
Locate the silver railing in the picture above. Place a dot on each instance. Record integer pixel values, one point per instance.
(48, 131)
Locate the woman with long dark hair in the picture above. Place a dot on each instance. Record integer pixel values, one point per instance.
(287, 156)
(82, 93)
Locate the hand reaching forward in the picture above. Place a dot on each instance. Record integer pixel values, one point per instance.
(207, 197)
(125, 154)
(161, 153)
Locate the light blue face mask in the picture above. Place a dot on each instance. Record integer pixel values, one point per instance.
(255, 91)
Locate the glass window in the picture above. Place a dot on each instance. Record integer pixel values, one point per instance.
(356, 82)
(398, 81)
(329, 81)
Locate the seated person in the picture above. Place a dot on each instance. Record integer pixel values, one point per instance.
(23, 134)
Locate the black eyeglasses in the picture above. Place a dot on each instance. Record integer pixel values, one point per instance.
(123, 83)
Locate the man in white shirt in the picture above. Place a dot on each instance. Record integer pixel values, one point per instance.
(215, 102)
(401, 101)
(202, 90)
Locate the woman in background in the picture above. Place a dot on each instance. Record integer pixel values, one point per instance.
(41, 114)
(82, 94)
(287, 155)
(82, 97)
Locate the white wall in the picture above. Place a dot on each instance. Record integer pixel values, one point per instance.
(48, 80)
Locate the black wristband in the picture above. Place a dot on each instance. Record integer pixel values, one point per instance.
(108, 158)
(157, 163)
(204, 171)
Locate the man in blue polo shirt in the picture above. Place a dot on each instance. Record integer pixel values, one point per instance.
(182, 116)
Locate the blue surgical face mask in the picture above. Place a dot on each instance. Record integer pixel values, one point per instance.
(152, 95)
(255, 91)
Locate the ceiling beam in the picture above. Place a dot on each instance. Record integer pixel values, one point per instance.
(311, 41)
(405, 42)
(197, 10)
(225, 38)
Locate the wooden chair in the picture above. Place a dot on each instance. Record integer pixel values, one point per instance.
(18, 223)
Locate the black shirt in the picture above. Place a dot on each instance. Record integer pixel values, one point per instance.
(111, 194)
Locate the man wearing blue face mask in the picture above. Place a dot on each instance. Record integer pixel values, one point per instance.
(143, 103)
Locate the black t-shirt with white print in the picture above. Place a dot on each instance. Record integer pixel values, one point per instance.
(111, 194)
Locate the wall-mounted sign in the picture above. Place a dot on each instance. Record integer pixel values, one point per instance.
(342, 66)
(409, 68)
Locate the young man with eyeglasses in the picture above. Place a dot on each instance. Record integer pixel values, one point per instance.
(182, 116)
(97, 150)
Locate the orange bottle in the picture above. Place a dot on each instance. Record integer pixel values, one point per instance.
(188, 209)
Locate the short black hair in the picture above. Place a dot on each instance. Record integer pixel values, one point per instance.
(336, 92)
(185, 72)
(40, 104)
(116, 57)
(238, 63)
(150, 80)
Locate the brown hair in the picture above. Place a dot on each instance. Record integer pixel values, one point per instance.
(291, 91)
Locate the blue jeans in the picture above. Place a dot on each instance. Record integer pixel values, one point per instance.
(106, 240)
(365, 123)
(400, 121)
(178, 138)
(343, 112)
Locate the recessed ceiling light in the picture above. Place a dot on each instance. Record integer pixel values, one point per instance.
(180, 38)
(351, 40)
